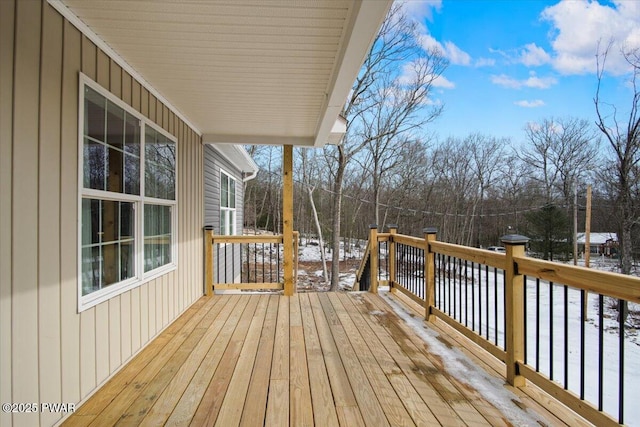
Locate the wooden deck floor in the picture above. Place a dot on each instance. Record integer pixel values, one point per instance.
(327, 359)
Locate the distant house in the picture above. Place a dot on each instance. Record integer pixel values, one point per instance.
(599, 243)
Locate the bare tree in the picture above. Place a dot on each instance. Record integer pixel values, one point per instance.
(561, 152)
(624, 142)
(486, 154)
(384, 105)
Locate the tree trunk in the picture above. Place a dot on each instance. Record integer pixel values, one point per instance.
(337, 210)
(321, 242)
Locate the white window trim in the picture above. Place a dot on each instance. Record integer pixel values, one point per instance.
(234, 210)
(94, 298)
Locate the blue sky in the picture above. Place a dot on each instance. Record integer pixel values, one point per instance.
(513, 62)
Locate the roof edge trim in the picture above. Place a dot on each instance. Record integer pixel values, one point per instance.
(298, 141)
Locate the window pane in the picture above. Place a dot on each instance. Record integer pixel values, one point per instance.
(108, 135)
(132, 135)
(131, 174)
(232, 219)
(90, 221)
(108, 230)
(115, 126)
(91, 270)
(94, 114)
(157, 236)
(110, 221)
(127, 221)
(224, 191)
(127, 254)
(232, 193)
(160, 165)
(94, 165)
(110, 264)
(115, 166)
(223, 222)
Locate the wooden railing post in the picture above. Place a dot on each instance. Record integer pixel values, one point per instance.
(514, 308)
(373, 271)
(208, 260)
(430, 235)
(391, 254)
(287, 220)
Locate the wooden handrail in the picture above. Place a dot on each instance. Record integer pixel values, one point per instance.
(601, 282)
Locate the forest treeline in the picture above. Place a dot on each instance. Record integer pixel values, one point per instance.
(474, 190)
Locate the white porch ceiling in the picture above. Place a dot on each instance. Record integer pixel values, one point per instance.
(242, 71)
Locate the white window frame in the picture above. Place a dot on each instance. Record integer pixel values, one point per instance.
(227, 209)
(139, 277)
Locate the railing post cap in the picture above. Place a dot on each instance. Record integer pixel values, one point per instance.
(372, 226)
(208, 227)
(390, 226)
(430, 230)
(514, 239)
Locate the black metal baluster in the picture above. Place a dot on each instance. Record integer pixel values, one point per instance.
(278, 263)
(621, 316)
(600, 351)
(219, 263)
(537, 325)
(551, 331)
(233, 261)
(473, 299)
(248, 257)
(566, 337)
(438, 280)
(479, 299)
(486, 296)
(583, 320)
(524, 296)
(495, 304)
(449, 284)
(504, 302)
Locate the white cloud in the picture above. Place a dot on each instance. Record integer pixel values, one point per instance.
(580, 25)
(533, 55)
(443, 82)
(420, 9)
(533, 81)
(456, 55)
(408, 75)
(530, 104)
(484, 62)
(453, 53)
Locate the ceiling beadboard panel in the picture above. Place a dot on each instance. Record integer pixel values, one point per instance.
(255, 68)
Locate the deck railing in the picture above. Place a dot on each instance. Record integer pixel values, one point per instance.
(535, 316)
(248, 262)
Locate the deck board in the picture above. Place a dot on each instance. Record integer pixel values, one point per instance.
(329, 359)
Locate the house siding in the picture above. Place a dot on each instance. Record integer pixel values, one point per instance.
(48, 351)
(214, 162)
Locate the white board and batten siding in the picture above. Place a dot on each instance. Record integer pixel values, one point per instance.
(48, 351)
(214, 164)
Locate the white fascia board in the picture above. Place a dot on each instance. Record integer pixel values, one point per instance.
(304, 141)
(102, 45)
(366, 19)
